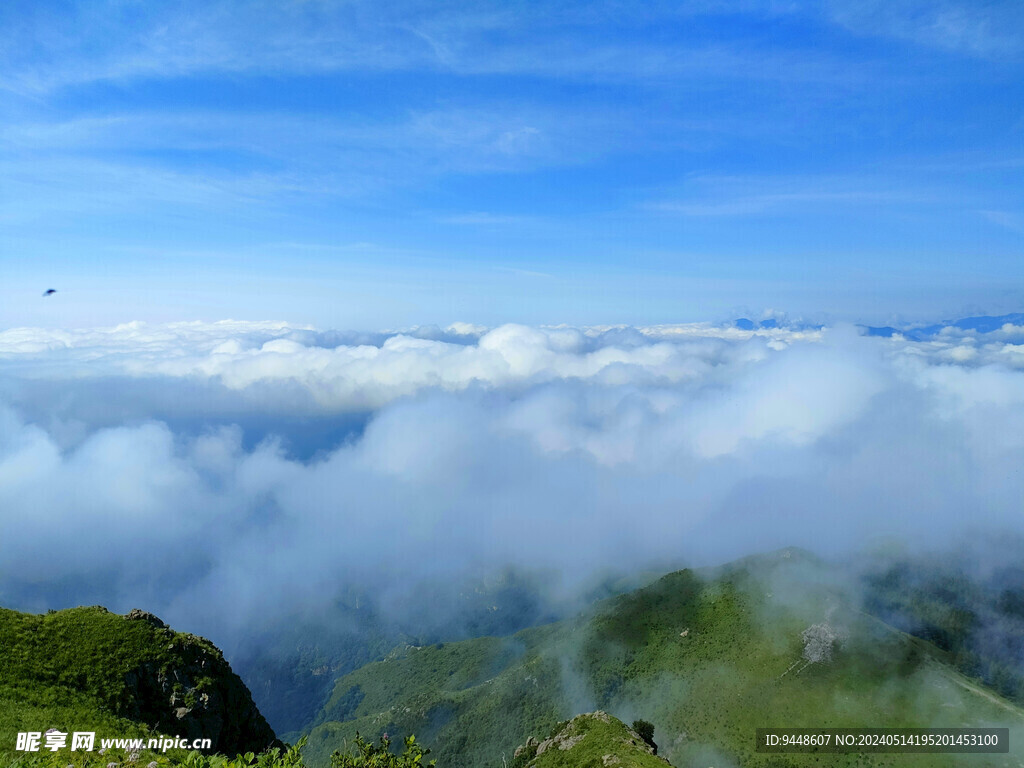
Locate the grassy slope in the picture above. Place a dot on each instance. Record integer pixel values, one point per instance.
(67, 670)
(706, 692)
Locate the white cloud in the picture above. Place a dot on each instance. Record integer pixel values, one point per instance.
(348, 376)
(577, 448)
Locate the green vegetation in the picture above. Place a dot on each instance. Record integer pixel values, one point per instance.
(365, 754)
(646, 732)
(451, 693)
(292, 665)
(290, 757)
(594, 740)
(69, 667)
(706, 657)
(86, 669)
(978, 621)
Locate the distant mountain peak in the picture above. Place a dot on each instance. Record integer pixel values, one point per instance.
(976, 324)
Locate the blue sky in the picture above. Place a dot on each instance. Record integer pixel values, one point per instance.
(383, 164)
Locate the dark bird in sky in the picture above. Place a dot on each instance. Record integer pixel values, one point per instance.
(49, 292)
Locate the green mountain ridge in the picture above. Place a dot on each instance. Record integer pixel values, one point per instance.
(86, 669)
(707, 656)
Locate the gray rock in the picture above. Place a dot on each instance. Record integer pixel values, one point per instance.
(135, 614)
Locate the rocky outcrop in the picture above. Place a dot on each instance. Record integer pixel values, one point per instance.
(590, 737)
(190, 690)
(136, 614)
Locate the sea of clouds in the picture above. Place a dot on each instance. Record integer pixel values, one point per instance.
(220, 473)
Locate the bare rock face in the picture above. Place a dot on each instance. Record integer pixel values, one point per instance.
(530, 745)
(191, 691)
(820, 641)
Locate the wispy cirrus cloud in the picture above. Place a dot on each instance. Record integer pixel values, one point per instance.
(748, 195)
(179, 42)
(125, 161)
(989, 30)
(1007, 219)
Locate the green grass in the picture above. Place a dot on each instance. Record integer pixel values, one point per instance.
(706, 692)
(80, 670)
(67, 669)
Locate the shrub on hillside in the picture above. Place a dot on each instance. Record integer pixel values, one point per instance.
(369, 755)
(646, 732)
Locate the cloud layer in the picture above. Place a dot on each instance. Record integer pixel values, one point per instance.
(221, 472)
